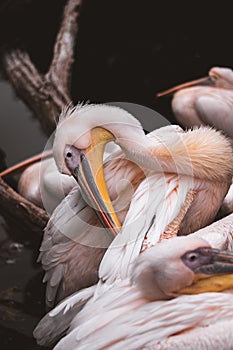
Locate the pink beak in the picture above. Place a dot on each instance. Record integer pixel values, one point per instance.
(184, 86)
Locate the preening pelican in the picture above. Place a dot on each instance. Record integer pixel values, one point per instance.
(210, 104)
(85, 131)
(42, 183)
(174, 291)
(180, 179)
(74, 242)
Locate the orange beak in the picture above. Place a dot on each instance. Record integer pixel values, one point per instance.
(87, 168)
(25, 163)
(205, 80)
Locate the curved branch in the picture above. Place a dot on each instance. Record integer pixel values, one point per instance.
(46, 95)
(29, 215)
(41, 95)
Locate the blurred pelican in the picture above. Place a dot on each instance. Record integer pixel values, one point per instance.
(43, 185)
(139, 311)
(195, 104)
(212, 104)
(180, 179)
(40, 181)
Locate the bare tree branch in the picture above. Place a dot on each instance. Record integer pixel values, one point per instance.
(47, 94)
(64, 47)
(29, 215)
(36, 91)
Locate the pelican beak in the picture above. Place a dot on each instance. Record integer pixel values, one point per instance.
(19, 167)
(201, 81)
(214, 275)
(87, 168)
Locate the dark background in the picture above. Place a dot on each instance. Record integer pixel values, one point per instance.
(126, 51)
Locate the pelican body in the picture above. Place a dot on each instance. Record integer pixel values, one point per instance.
(181, 176)
(43, 185)
(195, 104)
(177, 295)
(211, 104)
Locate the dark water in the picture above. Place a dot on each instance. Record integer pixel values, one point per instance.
(21, 135)
(127, 51)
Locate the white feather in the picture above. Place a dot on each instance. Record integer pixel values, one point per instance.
(137, 327)
(154, 205)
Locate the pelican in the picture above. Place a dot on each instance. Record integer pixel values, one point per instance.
(74, 242)
(43, 185)
(182, 176)
(176, 296)
(83, 133)
(211, 104)
(40, 181)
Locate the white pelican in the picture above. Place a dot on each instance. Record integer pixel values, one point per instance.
(141, 311)
(197, 170)
(74, 243)
(210, 104)
(43, 185)
(40, 181)
(83, 133)
(188, 177)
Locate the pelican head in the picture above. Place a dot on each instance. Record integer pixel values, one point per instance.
(182, 265)
(78, 148)
(222, 77)
(77, 128)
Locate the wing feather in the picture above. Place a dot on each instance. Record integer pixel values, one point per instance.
(55, 323)
(156, 202)
(58, 247)
(148, 324)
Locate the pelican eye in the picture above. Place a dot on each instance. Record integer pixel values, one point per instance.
(214, 77)
(197, 258)
(72, 157)
(68, 154)
(192, 256)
